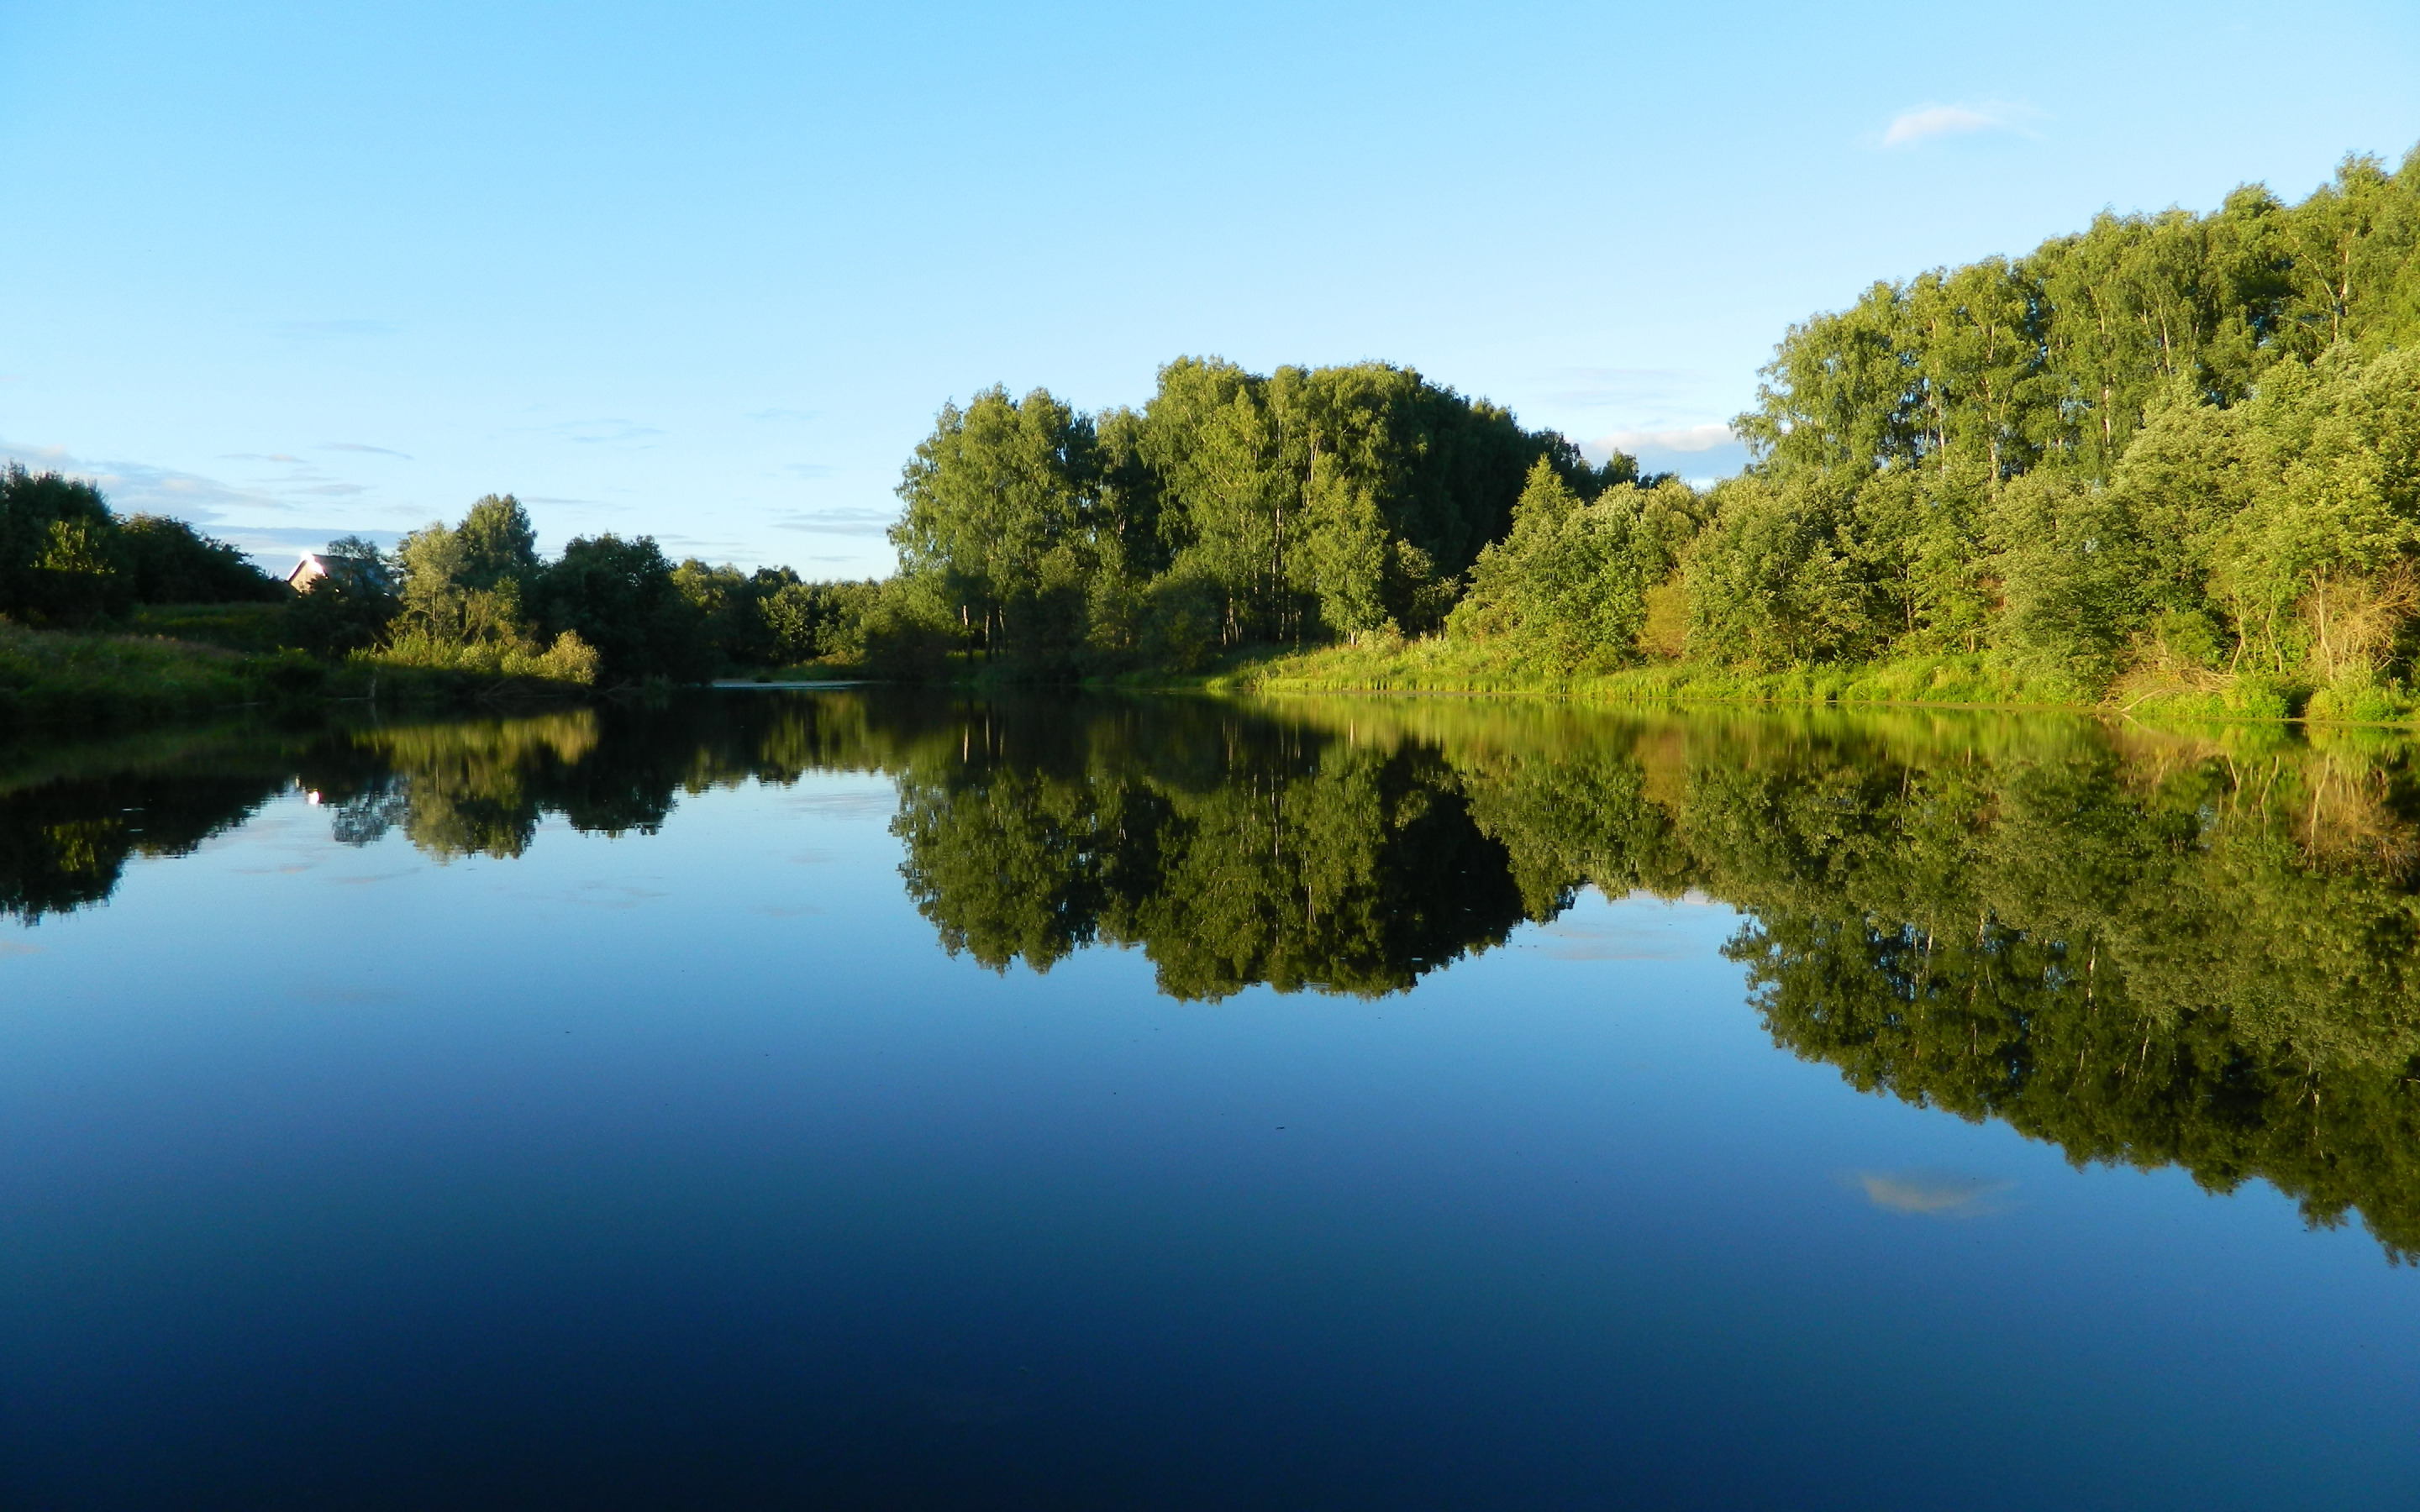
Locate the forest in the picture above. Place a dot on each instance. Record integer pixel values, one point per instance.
(2171, 451)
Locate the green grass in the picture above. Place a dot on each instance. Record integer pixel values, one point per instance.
(232, 626)
(59, 677)
(1445, 666)
(1442, 666)
(95, 679)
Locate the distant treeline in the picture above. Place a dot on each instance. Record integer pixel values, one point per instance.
(474, 595)
(2183, 448)
(478, 596)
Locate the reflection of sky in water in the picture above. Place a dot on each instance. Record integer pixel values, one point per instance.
(668, 1169)
(1641, 927)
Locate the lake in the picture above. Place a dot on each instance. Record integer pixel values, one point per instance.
(859, 1098)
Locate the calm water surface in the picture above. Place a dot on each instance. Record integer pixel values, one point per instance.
(851, 1099)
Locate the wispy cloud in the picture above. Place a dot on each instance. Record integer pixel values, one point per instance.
(1685, 439)
(840, 519)
(296, 491)
(276, 542)
(809, 469)
(358, 446)
(1929, 123)
(1934, 1193)
(140, 488)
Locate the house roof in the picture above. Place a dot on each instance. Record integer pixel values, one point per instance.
(350, 571)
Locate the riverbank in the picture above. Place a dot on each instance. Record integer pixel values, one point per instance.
(97, 679)
(1444, 666)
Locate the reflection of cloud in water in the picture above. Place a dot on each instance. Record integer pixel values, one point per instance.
(10, 948)
(375, 877)
(1934, 1193)
(795, 911)
(1615, 942)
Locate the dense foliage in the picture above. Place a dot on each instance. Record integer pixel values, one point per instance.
(67, 558)
(477, 596)
(1231, 507)
(2171, 452)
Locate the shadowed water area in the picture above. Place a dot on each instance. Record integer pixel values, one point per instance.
(863, 1098)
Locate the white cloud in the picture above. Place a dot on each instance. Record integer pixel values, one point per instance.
(1685, 439)
(140, 488)
(1927, 123)
(840, 519)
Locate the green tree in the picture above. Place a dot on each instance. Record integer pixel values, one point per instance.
(1000, 512)
(619, 597)
(61, 559)
(498, 542)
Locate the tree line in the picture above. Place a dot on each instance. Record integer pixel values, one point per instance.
(478, 594)
(2172, 446)
(2171, 452)
(2182, 449)
(1232, 508)
(475, 594)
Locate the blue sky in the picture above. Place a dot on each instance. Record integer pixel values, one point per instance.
(705, 272)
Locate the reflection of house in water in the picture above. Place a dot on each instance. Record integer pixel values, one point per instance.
(355, 573)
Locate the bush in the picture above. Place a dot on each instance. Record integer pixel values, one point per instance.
(339, 616)
(905, 635)
(172, 563)
(570, 660)
(619, 597)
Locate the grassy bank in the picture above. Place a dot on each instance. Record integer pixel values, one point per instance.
(1443, 666)
(61, 677)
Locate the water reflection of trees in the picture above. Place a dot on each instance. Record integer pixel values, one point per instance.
(73, 815)
(2150, 949)
(1234, 849)
(2146, 951)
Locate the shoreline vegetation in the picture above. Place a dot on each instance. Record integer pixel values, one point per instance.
(2168, 466)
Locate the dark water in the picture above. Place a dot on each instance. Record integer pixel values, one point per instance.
(851, 1099)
